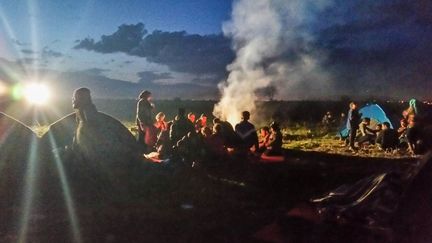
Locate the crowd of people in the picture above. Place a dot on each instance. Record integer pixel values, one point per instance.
(192, 140)
(408, 136)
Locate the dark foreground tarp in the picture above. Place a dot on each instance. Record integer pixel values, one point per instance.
(18, 157)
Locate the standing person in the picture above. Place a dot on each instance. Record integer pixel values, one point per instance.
(353, 124)
(247, 133)
(144, 119)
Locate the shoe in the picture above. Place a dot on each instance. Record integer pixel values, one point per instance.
(353, 149)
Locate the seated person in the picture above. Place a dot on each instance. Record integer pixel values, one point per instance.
(180, 127)
(387, 138)
(206, 133)
(164, 144)
(264, 138)
(160, 124)
(414, 137)
(201, 123)
(274, 146)
(367, 134)
(402, 132)
(247, 133)
(191, 117)
(231, 139)
(215, 143)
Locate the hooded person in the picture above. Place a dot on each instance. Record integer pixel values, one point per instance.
(147, 132)
(100, 138)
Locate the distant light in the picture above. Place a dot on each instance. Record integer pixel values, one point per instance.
(17, 92)
(37, 94)
(3, 88)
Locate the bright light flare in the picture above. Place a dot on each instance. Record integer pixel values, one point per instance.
(37, 94)
(3, 88)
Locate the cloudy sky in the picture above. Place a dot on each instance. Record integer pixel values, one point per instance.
(178, 48)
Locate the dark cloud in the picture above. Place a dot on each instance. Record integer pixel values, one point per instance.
(94, 71)
(48, 53)
(150, 77)
(126, 38)
(104, 87)
(180, 51)
(28, 51)
(27, 60)
(19, 43)
(378, 47)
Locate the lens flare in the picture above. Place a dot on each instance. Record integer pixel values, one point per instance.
(3, 89)
(37, 94)
(17, 91)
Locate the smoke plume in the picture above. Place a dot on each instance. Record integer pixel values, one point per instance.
(274, 47)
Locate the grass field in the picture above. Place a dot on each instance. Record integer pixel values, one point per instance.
(229, 203)
(300, 137)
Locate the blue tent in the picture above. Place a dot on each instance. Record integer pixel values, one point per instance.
(374, 112)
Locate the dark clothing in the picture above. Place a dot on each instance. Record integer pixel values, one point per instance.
(352, 137)
(388, 139)
(230, 137)
(368, 138)
(215, 145)
(164, 144)
(366, 130)
(353, 119)
(415, 139)
(353, 124)
(144, 118)
(248, 135)
(414, 134)
(402, 134)
(145, 112)
(366, 134)
(181, 128)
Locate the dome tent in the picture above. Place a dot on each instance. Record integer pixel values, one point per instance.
(374, 112)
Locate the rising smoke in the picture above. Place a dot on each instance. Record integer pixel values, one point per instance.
(274, 47)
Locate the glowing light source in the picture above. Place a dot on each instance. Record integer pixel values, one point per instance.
(37, 94)
(17, 92)
(3, 88)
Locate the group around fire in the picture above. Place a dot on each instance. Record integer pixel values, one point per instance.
(192, 139)
(189, 139)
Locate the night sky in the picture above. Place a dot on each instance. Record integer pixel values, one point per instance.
(378, 48)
